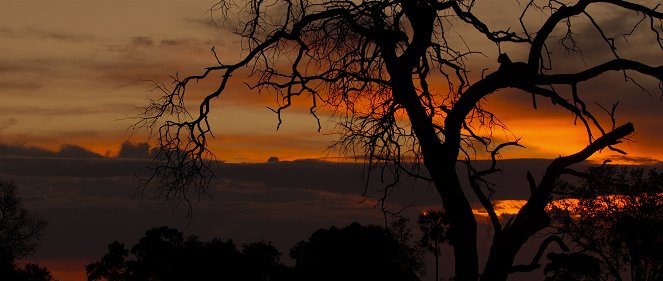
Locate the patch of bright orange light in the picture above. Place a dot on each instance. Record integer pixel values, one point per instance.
(502, 208)
(257, 148)
(105, 145)
(70, 270)
(599, 204)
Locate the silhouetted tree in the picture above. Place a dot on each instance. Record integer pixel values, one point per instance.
(19, 235)
(374, 64)
(616, 215)
(410, 255)
(33, 272)
(112, 266)
(134, 150)
(164, 255)
(264, 261)
(434, 228)
(19, 230)
(573, 266)
(11, 271)
(353, 253)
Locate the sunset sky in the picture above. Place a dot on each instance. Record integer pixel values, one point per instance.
(75, 72)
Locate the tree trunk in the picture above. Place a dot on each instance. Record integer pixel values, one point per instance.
(506, 245)
(437, 260)
(441, 165)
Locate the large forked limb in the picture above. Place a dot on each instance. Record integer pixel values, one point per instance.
(532, 217)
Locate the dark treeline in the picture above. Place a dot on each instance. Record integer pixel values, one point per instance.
(19, 233)
(354, 252)
(608, 227)
(612, 223)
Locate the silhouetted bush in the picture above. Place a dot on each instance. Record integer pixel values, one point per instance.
(354, 252)
(19, 233)
(163, 254)
(572, 266)
(616, 216)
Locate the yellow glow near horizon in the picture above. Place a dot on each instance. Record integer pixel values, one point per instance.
(600, 203)
(502, 208)
(69, 270)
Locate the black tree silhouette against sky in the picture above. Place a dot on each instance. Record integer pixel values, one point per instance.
(616, 216)
(373, 64)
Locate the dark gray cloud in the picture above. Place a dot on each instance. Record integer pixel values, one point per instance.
(6, 32)
(56, 35)
(10, 65)
(113, 108)
(142, 41)
(75, 151)
(619, 27)
(20, 150)
(204, 22)
(65, 151)
(20, 86)
(89, 202)
(177, 42)
(44, 34)
(4, 124)
(134, 150)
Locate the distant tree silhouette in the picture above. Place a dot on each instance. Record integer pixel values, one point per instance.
(19, 230)
(573, 266)
(264, 261)
(164, 255)
(134, 150)
(405, 85)
(158, 254)
(616, 216)
(33, 272)
(353, 253)
(434, 227)
(411, 255)
(19, 235)
(112, 266)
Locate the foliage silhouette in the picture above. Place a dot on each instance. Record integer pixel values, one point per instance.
(19, 230)
(19, 235)
(10, 270)
(374, 64)
(434, 227)
(112, 266)
(412, 255)
(573, 266)
(164, 255)
(354, 253)
(617, 217)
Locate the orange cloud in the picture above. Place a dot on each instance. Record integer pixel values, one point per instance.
(502, 208)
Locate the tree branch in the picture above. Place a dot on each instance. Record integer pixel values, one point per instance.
(613, 65)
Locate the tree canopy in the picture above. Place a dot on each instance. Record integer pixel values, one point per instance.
(616, 217)
(20, 232)
(404, 85)
(354, 252)
(573, 266)
(164, 254)
(434, 227)
(19, 229)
